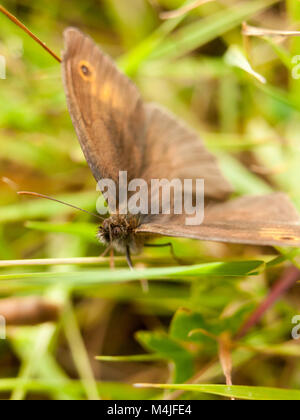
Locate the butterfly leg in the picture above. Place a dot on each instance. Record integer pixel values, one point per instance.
(128, 258)
(112, 259)
(144, 282)
(105, 252)
(168, 245)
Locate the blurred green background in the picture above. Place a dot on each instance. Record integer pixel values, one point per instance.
(200, 66)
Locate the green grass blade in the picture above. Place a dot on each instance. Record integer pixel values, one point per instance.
(93, 278)
(238, 392)
(86, 231)
(107, 390)
(131, 62)
(196, 34)
(130, 359)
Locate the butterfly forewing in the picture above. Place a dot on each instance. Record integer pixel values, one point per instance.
(105, 107)
(118, 132)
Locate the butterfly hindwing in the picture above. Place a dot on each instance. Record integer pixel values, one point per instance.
(175, 151)
(268, 220)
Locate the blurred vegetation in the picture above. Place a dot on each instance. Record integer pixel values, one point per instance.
(197, 65)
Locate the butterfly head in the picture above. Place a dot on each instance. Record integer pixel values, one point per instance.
(119, 231)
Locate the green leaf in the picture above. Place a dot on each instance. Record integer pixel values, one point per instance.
(170, 350)
(185, 321)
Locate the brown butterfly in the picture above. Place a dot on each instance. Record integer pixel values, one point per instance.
(119, 132)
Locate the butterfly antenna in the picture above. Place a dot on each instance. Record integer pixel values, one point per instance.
(33, 194)
(25, 29)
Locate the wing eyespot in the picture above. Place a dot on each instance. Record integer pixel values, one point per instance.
(86, 71)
